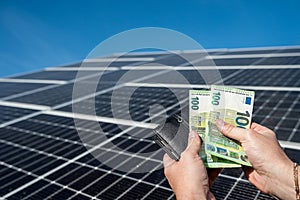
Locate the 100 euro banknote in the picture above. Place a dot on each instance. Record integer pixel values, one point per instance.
(199, 112)
(235, 107)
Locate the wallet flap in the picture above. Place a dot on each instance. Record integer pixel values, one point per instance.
(172, 136)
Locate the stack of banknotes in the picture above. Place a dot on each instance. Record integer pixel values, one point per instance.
(231, 105)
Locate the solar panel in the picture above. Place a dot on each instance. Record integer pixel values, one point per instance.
(52, 147)
(9, 89)
(241, 52)
(266, 77)
(11, 113)
(289, 60)
(290, 50)
(52, 75)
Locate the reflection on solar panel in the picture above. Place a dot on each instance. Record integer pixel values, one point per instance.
(42, 155)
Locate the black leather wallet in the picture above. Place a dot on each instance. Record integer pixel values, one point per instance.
(172, 135)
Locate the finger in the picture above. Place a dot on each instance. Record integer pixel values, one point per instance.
(255, 126)
(262, 129)
(194, 144)
(168, 161)
(258, 127)
(231, 131)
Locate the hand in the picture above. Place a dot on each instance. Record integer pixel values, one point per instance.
(188, 177)
(272, 170)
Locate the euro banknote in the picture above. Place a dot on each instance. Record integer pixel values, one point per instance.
(235, 107)
(199, 113)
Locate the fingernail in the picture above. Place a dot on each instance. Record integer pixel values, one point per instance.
(220, 123)
(191, 136)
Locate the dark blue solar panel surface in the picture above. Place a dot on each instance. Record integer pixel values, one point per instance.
(288, 60)
(266, 77)
(11, 113)
(51, 75)
(8, 89)
(43, 156)
(54, 96)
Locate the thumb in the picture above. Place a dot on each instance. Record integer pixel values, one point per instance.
(231, 131)
(194, 144)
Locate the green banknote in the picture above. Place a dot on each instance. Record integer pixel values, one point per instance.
(199, 112)
(235, 107)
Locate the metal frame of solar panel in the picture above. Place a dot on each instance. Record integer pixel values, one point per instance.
(43, 157)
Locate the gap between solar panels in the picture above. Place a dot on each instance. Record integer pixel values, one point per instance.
(191, 86)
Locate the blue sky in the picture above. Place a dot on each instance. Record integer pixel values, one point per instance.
(35, 34)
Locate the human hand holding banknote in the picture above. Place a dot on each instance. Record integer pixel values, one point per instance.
(271, 170)
(233, 143)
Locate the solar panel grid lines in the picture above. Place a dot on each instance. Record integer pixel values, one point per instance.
(51, 155)
(84, 165)
(234, 185)
(42, 139)
(10, 113)
(103, 91)
(134, 184)
(281, 54)
(111, 64)
(294, 131)
(268, 77)
(45, 87)
(48, 87)
(104, 142)
(51, 171)
(240, 61)
(293, 104)
(284, 125)
(277, 104)
(9, 89)
(20, 119)
(28, 92)
(31, 174)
